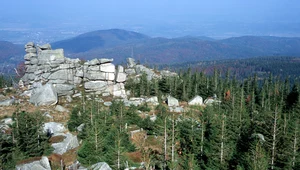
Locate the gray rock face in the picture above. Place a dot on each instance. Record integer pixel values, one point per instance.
(197, 100)
(142, 69)
(53, 127)
(118, 90)
(95, 85)
(130, 71)
(45, 95)
(107, 67)
(45, 47)
(107, 104)
(7, 102)
(42, 164)
(52, 55)
(105, 60)
(64, 89)
(153, 100)
(136, 101)
(70, 142)
(80, 127)
(167, 73)
(121, 77)
(130, 62)
(66, 75)
(100, 166)
(5, 124)
(210, 101)
(172, 101)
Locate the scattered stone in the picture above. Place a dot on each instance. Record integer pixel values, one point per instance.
(167, 73)
(197, 100)
(153, 100)
(46, 114)
(7, 121)
(60, 108)
(77, 95)
(42, 164)
(210, 101)
(107, 104)
(100, 166)
(53, 128)
(45, 95)
(153, 118)
(172, 101)
(105, 94)
(80, 127)
(7, 102)
(70, 142)
(69, 98)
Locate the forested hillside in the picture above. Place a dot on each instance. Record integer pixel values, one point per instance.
(248, 124)
(242, 68)
(256, 125)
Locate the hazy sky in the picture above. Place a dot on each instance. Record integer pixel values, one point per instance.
(143, 12)
(251, 10)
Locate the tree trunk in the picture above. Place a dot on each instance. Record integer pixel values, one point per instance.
(222, 139)
(165, 145)
(295, 145)
(274, 139)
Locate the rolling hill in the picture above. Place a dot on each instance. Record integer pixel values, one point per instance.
(98, 40)
(120, 44)
(11, 53)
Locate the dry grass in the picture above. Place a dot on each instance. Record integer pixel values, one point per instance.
(70, 156)
(135, 156)
(56, 139)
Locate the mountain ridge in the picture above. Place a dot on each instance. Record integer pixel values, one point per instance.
(182, 49)
(120, 44)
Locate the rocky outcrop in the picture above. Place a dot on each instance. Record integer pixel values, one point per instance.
(70, 142)
(42, 164)
(211, 101)
(49, 66)
(100, 166)
(7, 102)
(197, 100)
(98, 76)
(172, 102)
(53, 128)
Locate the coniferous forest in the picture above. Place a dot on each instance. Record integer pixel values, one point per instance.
(254, 124)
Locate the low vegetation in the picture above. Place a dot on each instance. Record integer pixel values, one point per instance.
(255, 126)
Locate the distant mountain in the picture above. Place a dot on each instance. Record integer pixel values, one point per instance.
(280, 66)
(120, 44)
(98, 40)
(267, 44)
(11, 53)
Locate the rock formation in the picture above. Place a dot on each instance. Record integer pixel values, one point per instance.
(49, 66)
